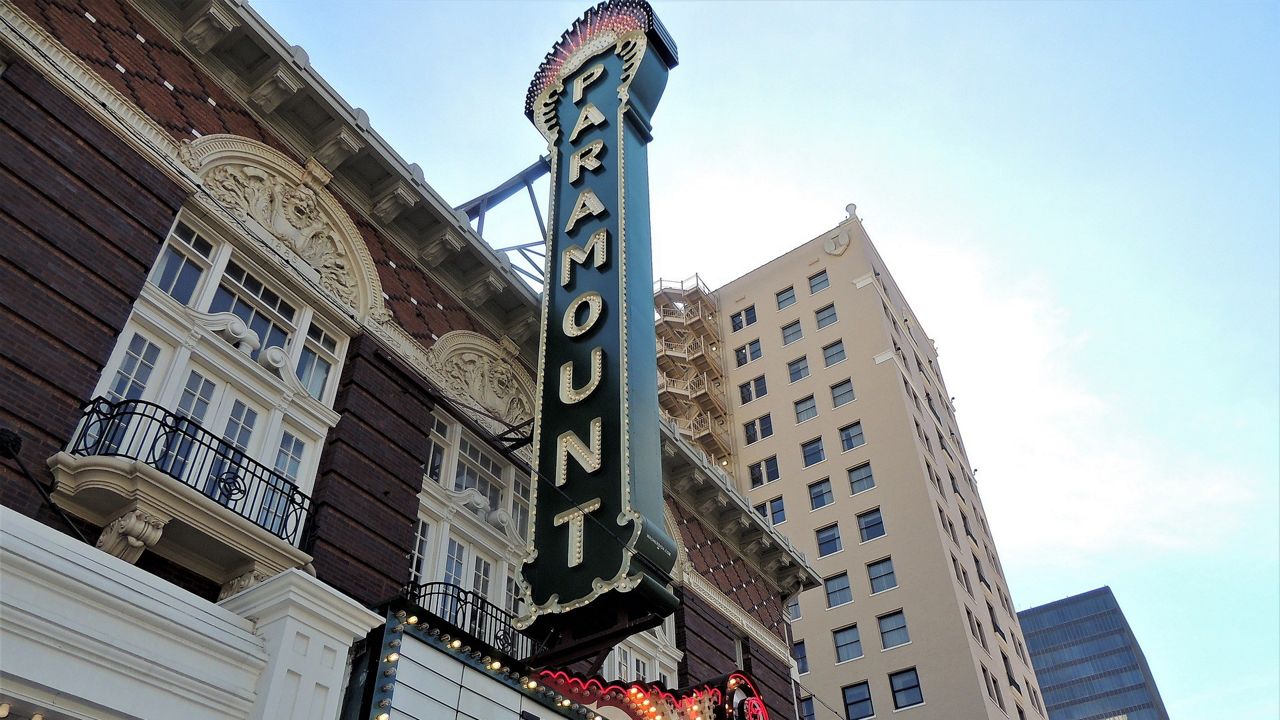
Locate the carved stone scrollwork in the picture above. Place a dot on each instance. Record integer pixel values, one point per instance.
(240, 583)
(131, 533)
(291, 210)
(483, 374)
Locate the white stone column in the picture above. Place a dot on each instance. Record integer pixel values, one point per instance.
(308, 629)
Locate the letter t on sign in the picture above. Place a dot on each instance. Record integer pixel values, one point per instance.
(575, 516)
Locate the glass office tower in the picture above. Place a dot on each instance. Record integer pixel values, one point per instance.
(1088, 661)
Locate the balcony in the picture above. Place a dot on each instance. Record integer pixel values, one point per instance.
(672, 356)
(470, 615)
(157, 481)
(704, 354)
(705, 393)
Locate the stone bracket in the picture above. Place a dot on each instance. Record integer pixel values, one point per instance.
(442, 247)
(279, 85)
(134, 530)
(393, 201)
(209, 26)
(337, 147)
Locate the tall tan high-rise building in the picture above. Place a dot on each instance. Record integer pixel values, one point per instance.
(811, 380)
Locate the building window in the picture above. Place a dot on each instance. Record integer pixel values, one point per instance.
(261, 308)
(820, 494)
(520, 501)
(135, 370)
(478, 470)
(851, 437)
(826, 316)
(758, 429)
(481, 574)
(743, 318)
(512, 598)
(793, 609)
(806, 409)
(833, 353)
(419, 572)
(786, 298)
(747, 353)
(848, 644)
(893, 630)
(642, 670)
(841, 393)
(183, 262)
(801, 655)
(812, 452)
(818, 282)
(880, 573)
(828, 540)
(861, 479)
(906, 688)
(765, 471)
(806, 709)
(454, 562)
(438, 441)
(870, 525)
(798, 369)
(791, 332)
(857, 701)
(838, 592)
(753, 390)
(319, 355)
(773, 511)
(982, 576)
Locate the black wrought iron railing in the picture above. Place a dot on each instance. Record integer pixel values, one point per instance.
(470, 613)
(180, 448)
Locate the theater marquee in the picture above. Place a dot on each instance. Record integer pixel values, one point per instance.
(599, 558)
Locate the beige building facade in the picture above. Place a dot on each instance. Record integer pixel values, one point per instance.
(825, 400)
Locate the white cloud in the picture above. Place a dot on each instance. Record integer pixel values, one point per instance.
(1065, 473)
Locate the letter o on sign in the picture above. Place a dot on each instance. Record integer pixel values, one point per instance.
(594, 304)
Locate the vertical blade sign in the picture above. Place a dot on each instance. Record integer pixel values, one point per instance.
(599, 557)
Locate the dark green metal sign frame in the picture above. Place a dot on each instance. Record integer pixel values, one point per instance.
(599, 557)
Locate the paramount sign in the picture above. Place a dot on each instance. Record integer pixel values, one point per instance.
(599, 558)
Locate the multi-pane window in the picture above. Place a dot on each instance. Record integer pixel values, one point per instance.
(828, 540)
(420, 556)
(765, 471)
(793, 609)
(454, 561)
(893, 630)
(437, 442)
(520, 500)
(841, 393)
(848, 643)
(261, 308)
(786, 298)
(880, 573)
(512, 595)
(857, 701)
(906, 688)
(753, 389)
(826, 316)
(806, 409)
(276, 497)
(747, 353)
(777, 512)
(642, 670)
(806, 709)
(480, 471)
(833, 353)
(135, 370)
(837, 589)
(481, 574)
(982, 576)
(760, 428)
(851, 437)
(820, 494)
(801, 655)
(182, 262)
(317, 361)
(791, 332)
(798, 369)
(743, 318)
(818, 282)
(870, 525)
(812, 452)
(861, 479)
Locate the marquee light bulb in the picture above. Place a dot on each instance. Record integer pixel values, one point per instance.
(413, 620)
(495, 665)
(393, 657)
(455, 644)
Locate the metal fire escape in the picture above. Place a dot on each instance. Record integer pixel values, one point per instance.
(690, 374)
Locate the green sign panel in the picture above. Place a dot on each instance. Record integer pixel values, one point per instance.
(599, 555)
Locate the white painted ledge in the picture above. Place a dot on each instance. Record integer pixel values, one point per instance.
(87, 635)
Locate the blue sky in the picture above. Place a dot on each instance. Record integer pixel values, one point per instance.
(1081, 201)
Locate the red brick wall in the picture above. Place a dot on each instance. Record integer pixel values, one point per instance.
(82, 217)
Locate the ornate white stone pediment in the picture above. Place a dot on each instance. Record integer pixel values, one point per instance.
(483, 374)
(286, 205)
